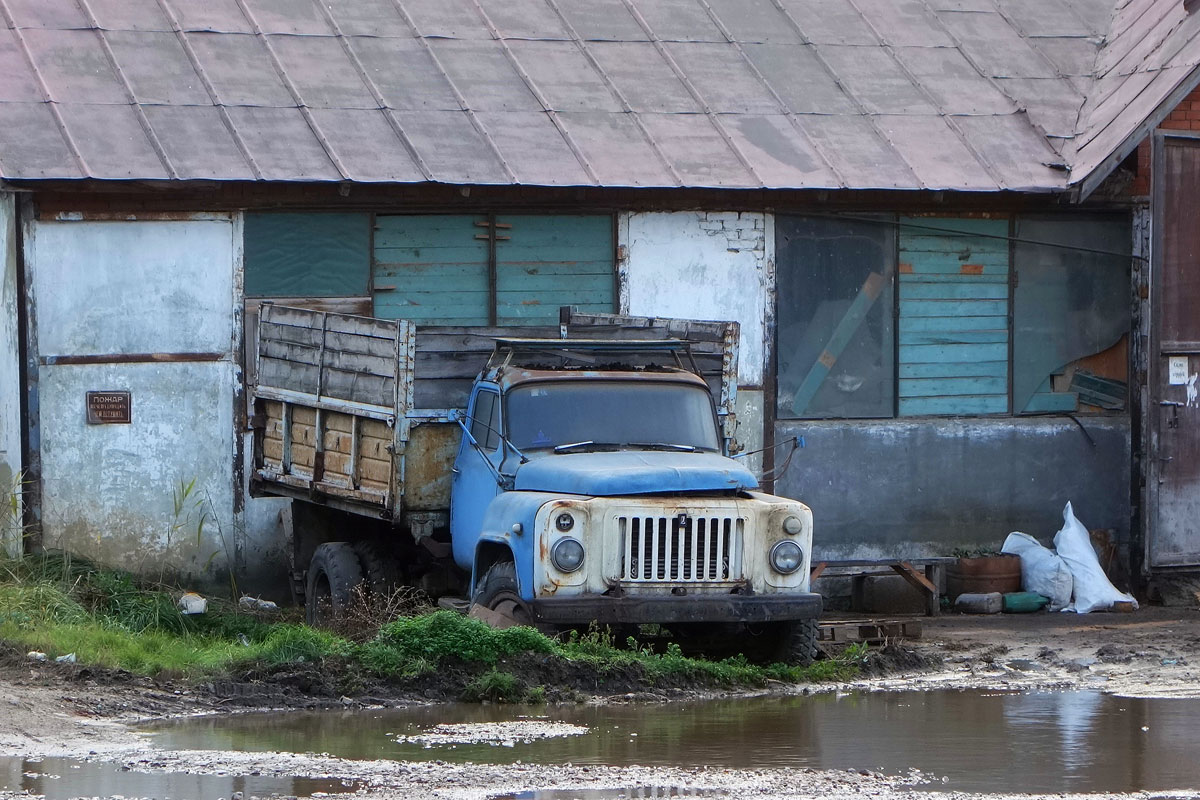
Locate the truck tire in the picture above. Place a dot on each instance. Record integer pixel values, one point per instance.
(380, 568)
(798, 642)
(333, 574)
(498, 591)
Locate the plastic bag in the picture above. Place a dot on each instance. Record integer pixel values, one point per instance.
(1093, 590)
(1042, 570)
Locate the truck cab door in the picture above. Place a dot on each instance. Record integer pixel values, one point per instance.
(474, 484)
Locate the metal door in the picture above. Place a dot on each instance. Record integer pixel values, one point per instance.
(1174, 473)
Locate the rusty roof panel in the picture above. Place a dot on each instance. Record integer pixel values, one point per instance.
(904, 23)
(322, 72)
(524, 19)
(871, 76)
(998, 49)
(935, 152)
(31, 145)
(854, 148)
(1015, 151)
(129, 15)
(678, 21)
(952, 81)
(451, 146)
(643, 77)
(533, 148)
(448, 19)
(56, 14)
(405, 74)
(218, 16)
(779, 152)
(759, 21)
(157, 68)
(198, 143)
(367, 18)
(240, 69)
(484, 76)
(20, 82)
(111, 141)
(301, 17)
(565, 77)
(367, 145)
(724, 78)
(697, 151)
(617, 149)
(601, 20)
(800, 79)
(282, 144)
(830, 22)
(74, 66)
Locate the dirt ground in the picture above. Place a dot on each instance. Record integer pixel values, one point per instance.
(50, 709)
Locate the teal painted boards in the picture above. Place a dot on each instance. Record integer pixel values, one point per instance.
(307, 254)
(437, 269)
(431, 269)
(953, 316)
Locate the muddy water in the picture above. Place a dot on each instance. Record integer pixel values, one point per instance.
(1032, 742)
(61, 778)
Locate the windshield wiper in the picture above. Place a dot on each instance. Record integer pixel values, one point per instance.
(566, 448)
(686, 448)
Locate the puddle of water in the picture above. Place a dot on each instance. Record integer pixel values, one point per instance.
(63, 778)
(626, 793)
(1034, 742)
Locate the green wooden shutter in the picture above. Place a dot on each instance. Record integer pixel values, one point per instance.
(431, 269)
(953, 325)
(553, 261)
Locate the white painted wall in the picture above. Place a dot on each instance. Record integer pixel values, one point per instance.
(128, 287)
(10, 393)
(705, 265)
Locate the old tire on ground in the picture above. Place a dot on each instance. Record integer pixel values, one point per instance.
(798, 642)
(333, 574)
(498, 591)
(380, 569)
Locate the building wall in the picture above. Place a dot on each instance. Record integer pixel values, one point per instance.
(705, 265)
(10, 393)
(145, 307)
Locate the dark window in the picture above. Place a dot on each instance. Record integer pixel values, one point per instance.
(307, 254)
(485, 420)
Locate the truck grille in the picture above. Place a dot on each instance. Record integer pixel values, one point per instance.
(681, 548)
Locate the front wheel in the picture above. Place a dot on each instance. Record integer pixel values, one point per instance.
(497, 599)
(333, 575)
(798, 642)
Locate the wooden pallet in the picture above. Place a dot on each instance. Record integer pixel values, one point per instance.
(871, 631)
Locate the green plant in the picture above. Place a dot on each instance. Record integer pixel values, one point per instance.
(496, 687)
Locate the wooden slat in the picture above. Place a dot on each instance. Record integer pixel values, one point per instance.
(975, 369)
(971, 404)
(934, 387)
(952, 337)
(954, 290)
(947, 353)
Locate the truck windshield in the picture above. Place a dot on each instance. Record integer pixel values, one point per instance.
(612, 413)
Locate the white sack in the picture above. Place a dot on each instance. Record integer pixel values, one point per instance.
(1042, 570)
(1093, 590)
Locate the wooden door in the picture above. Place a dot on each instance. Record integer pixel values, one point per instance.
(1174, 473)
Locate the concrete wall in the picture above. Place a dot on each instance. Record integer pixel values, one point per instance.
(924, 487)
(110, 291)
(705, 265)
(10, 384)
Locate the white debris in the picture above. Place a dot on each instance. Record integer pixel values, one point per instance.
(69, 658)
(35, 655)
(192, 603)
(256, 604)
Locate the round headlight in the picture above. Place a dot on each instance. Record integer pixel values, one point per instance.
(786, 557)
(567, 554)
(792, 525)
(564, 522)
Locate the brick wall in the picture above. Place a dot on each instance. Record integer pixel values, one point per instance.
(1185, 117)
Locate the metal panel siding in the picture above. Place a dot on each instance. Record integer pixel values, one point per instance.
(550, 262)
(431, 269)
(307, 254)
(953, 317)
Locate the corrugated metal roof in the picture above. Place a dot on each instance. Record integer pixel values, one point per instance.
(908, 94)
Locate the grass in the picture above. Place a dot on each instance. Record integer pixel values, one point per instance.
(57, 606)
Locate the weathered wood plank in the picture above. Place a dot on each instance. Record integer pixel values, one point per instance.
(953, 291)
(932, 324)
(951, 308)
(947, 387)
(968, 405)
(951, 337)
(975, 369)
(945, 353)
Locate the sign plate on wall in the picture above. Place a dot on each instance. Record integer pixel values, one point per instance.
(1177, 370)
(109, 408)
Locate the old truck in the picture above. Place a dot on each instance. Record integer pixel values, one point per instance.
(555, 476)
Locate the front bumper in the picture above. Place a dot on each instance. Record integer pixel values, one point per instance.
(669, 608)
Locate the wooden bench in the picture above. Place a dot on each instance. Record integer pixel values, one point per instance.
(924, 574)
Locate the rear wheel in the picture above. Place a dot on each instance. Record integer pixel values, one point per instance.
(333, 574)
(379, 567)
